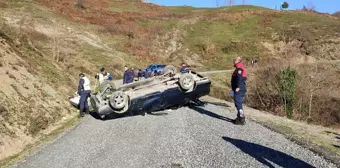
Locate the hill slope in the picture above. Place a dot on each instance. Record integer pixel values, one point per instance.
(45, 44)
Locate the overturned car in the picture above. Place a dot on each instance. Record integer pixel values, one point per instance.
(152, 94)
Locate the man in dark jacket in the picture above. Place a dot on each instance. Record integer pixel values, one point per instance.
(238, 85)
(128, 75)
(84, 91)
(139, 74)
(184, 68)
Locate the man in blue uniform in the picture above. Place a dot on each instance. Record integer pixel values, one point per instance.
(184, 68)
(238, 85)
(128, 75)
(139, 74)
(84, 90)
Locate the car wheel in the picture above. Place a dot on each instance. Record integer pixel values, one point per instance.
(106, 84)
(119, 101)
(186, 81)
(170, 69)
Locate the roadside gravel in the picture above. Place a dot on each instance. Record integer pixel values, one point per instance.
(186, 137)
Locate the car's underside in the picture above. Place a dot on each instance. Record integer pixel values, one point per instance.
(165, 91)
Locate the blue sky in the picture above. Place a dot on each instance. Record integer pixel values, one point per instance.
(329, 6)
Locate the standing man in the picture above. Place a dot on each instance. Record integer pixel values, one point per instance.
(84, 90)
(103, 75)
(140, 74)
(184, 68)
(128, 75)
(238, 85)
(133, 72)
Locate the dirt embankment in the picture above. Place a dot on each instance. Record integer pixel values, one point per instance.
(29, 106)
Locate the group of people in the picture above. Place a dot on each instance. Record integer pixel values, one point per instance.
(238, 86)
(84, 88)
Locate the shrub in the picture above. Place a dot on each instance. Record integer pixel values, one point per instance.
(337, 14)
(287, 84)
(285, 5)
(37, 124)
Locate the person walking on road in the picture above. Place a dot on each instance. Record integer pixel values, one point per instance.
(84, 91)
(238, 85)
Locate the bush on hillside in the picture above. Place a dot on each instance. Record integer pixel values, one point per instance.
(337, 14)
(287, 87)
(315, 99)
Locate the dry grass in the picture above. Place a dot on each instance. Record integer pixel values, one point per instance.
(263, 94)
(113, 34)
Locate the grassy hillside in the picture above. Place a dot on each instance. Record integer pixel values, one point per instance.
(45, 44)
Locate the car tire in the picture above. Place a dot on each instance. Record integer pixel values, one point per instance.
(119, 101)
(170, 69)
(105, 84)
(186, 82)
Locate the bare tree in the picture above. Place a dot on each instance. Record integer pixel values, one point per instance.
(217, 5)
(229, 2)
(310, 6)
(58, 51)
(337, 14)
(55, 49)
(243, 2)
(315, 82)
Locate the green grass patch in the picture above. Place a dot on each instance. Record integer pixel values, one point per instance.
(235, 8)
(227, 39)
(240, 8)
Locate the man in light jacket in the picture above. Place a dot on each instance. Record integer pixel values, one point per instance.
(103, 75)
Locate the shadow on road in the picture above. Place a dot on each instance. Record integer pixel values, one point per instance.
(158, 113)
(108, 117)
(337, 146)
(262, 154)
(217, 104)
(95, 115)
(114, 116)
(211, 114)
(334, 133)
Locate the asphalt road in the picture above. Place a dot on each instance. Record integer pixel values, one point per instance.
(187, 137)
